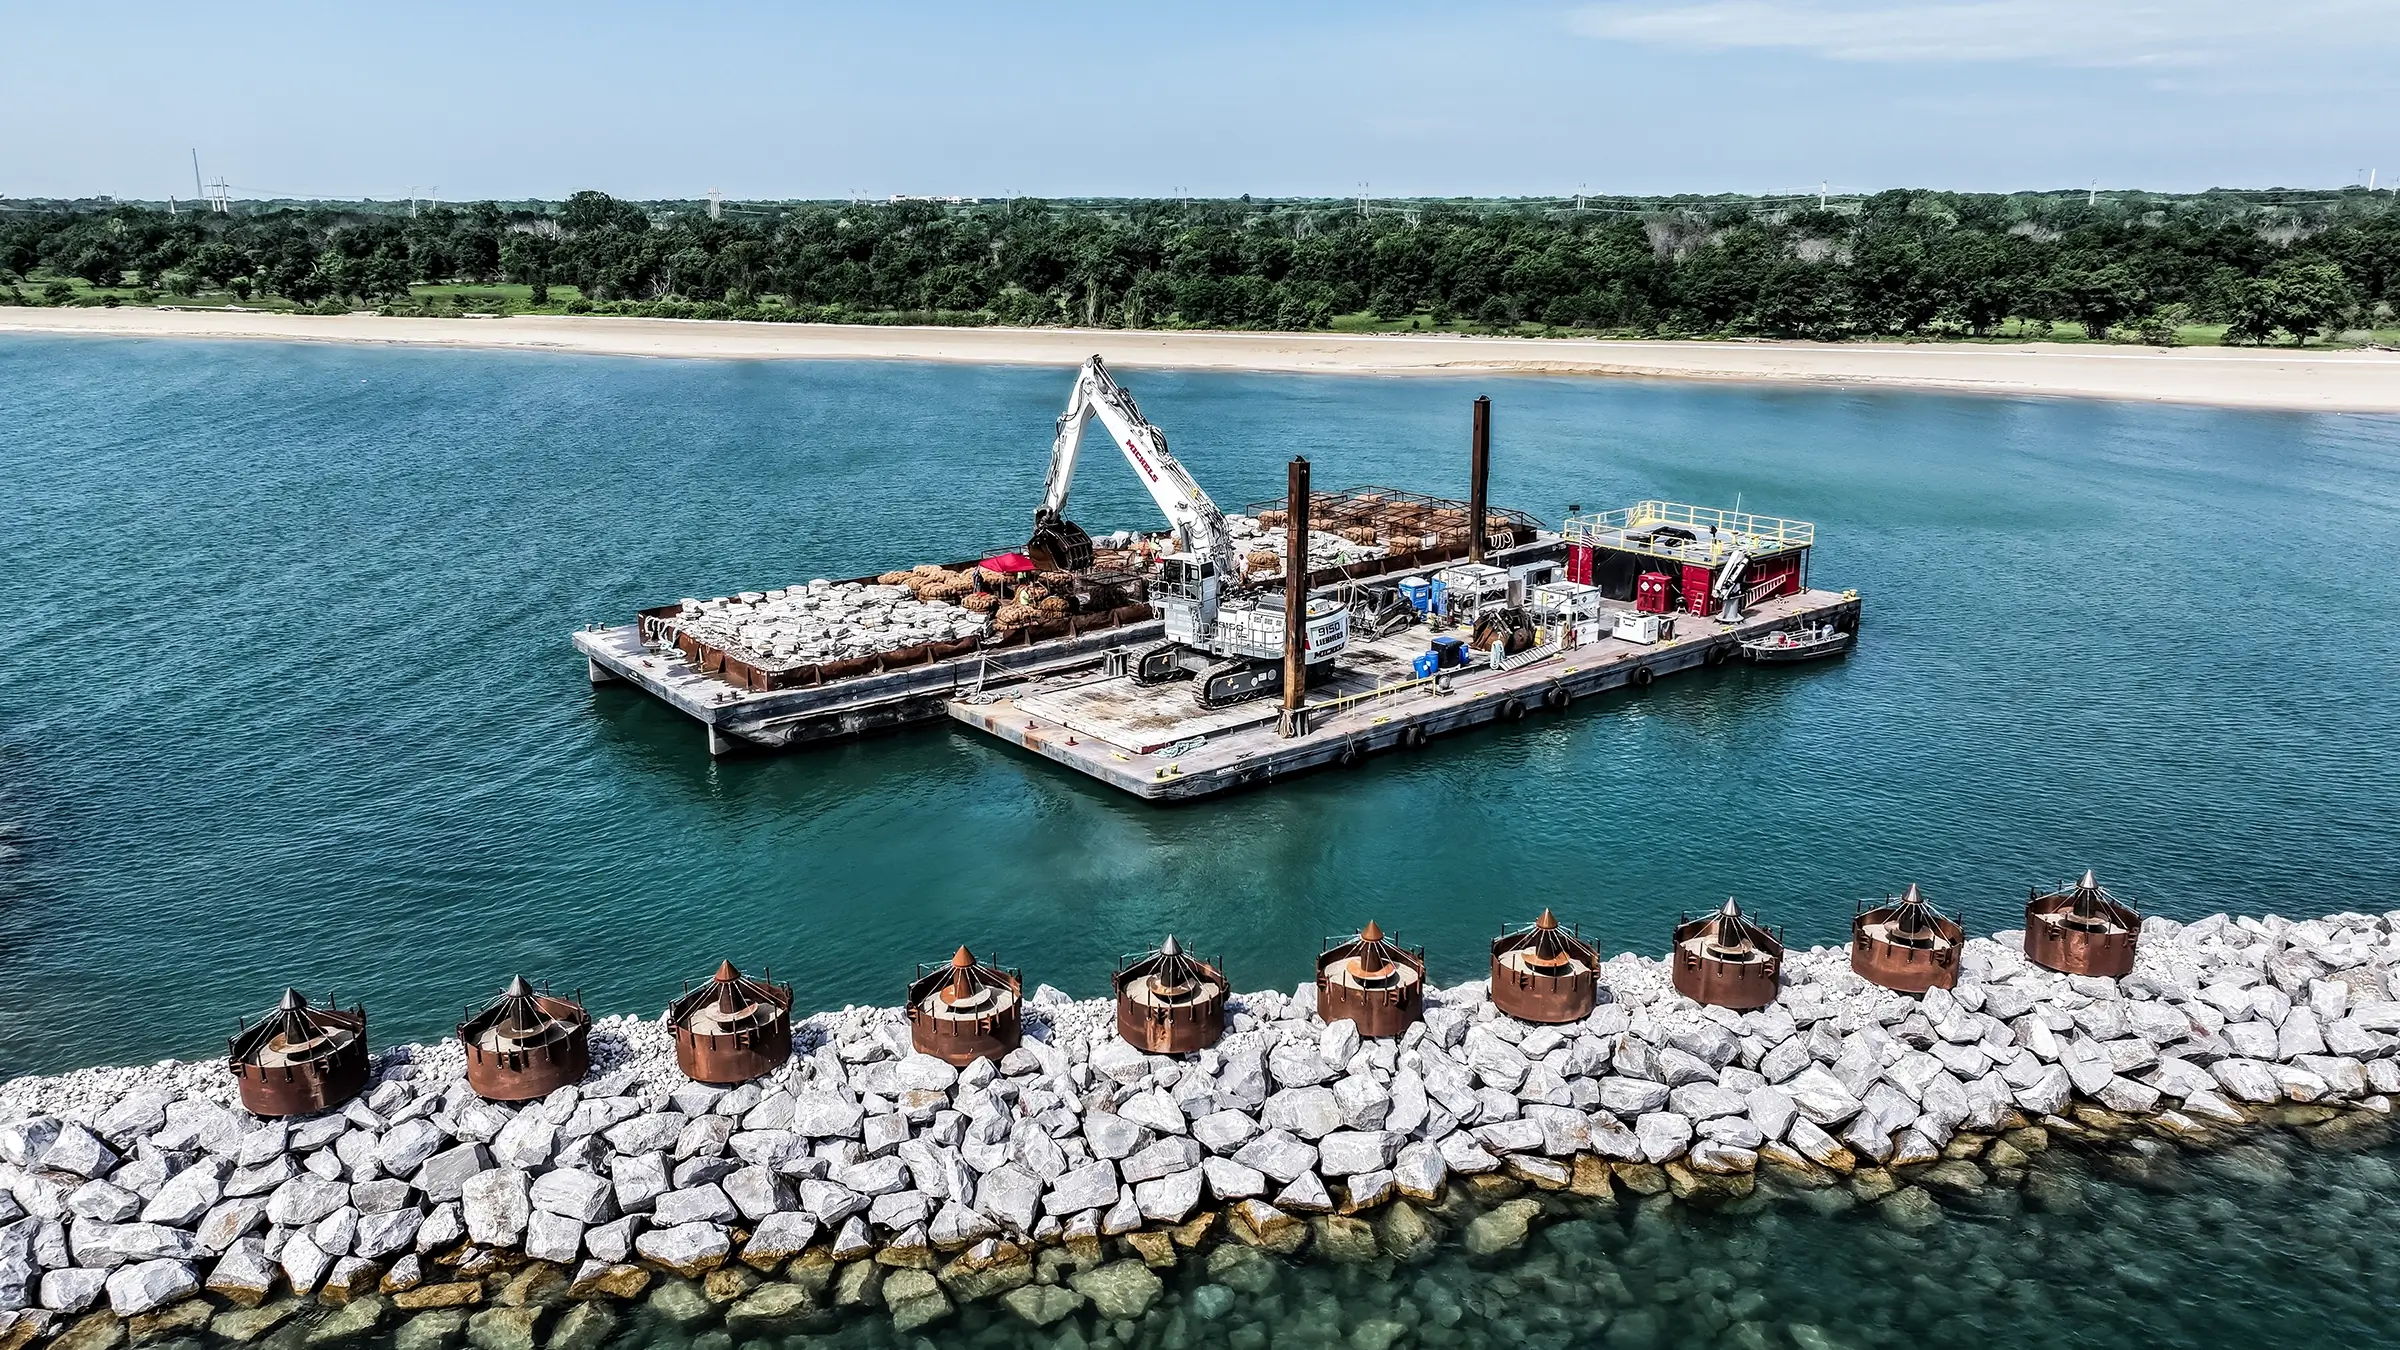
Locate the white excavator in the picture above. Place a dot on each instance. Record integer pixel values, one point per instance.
(1227, 638)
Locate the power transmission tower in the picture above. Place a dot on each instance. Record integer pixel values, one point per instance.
(716, 204)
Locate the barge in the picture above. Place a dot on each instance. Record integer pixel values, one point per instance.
(1155, 745)
(742, 704)
(835, 659)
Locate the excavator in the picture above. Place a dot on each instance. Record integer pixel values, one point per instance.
(1226, 638)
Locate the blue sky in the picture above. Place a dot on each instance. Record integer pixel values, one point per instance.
(805, 100)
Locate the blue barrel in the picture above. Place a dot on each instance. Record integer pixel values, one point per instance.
(1425, 664)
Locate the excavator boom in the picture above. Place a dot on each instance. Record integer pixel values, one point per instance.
(1189, 511)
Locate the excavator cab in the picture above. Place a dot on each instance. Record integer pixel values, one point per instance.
(1059, 544)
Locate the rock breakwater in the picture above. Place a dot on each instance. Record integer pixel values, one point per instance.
(142, 1203)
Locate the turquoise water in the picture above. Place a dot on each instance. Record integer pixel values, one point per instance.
(289, 696)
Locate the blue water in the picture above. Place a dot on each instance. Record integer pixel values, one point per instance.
(290, 699)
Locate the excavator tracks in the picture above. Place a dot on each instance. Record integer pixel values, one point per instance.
(1226, 683)
(1155, 664)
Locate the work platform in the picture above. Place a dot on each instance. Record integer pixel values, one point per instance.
(736, 718)
(1158, 745)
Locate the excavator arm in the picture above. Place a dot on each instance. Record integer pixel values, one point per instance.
(1058, 541)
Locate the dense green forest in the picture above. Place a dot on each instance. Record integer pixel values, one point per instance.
(2233, 266)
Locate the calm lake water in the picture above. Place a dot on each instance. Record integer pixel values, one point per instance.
(290, 699)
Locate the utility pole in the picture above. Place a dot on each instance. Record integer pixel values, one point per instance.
(412, 201)
(197, 189)
(1822, 183)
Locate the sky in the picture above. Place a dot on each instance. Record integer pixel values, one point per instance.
(1399, 98)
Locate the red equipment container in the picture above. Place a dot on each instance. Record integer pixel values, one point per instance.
(1650, 593)
(1698, 581)
(1579, 564)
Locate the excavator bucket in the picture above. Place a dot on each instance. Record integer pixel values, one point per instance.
(1059, 545)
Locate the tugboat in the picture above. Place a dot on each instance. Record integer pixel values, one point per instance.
(1798, 644)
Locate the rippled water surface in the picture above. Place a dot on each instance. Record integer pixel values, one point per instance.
(289, 695)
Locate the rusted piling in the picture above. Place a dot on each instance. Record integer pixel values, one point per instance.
(732, 1029)
(1169, 1003)
(2081, 929)
(964, 1010)
(526, 1044)
(1373, 982)
(1545, 973)
(1726, 960)
(1906, 944)
(299, 1059)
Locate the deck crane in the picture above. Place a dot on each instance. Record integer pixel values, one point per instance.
(1230, 640)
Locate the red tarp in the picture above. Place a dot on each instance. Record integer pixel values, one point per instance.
(1011, 562)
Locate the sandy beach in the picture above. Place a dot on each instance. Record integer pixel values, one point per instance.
(2317, 381)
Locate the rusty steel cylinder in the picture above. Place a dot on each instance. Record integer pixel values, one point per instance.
(1726, 960)
(966, 1010)
(1545, 973)
(298, 1060)
(732, 1029)
(1372, 982)
(526, 1045)
(2082, 929)
(1169, 1003)
(1906, 945)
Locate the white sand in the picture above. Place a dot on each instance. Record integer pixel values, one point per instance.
(2322, 381)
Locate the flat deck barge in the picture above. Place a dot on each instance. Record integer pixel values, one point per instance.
(736, 718)
(1157, 745)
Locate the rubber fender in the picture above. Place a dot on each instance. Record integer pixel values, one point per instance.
(1556, 697)
(1512, 710)
(1641, 677)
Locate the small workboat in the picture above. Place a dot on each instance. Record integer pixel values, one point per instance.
(1798, 644)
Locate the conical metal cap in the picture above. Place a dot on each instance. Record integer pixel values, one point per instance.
(517, 988)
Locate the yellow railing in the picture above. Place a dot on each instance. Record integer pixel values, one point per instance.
(1716, 532)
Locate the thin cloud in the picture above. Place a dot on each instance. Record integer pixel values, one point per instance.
(2139, 34)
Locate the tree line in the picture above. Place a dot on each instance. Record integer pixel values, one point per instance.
(1895, 264)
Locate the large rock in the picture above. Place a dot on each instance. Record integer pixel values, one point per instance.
(407, 1146)
(582, 1196)
(690, 1250)
(149, 1285)
(1171, 1199)
(822, 1115)
(1349, 1152)
(1091, 1186)
(72, 1290)
(187, 1196)
(444, 1175)
(1010, 1195)
(1308, 1112)
(305, 1199)
(778, 1238)
(495, 1205)
(694, 1204)
(1112, 1136)
(244, 1275)
(1663, 1135)
(1278, 1154)
(1501, 1229)
(1120, 1290)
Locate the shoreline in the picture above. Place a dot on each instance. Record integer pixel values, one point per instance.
(2247, 378)
(1076, 1169)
